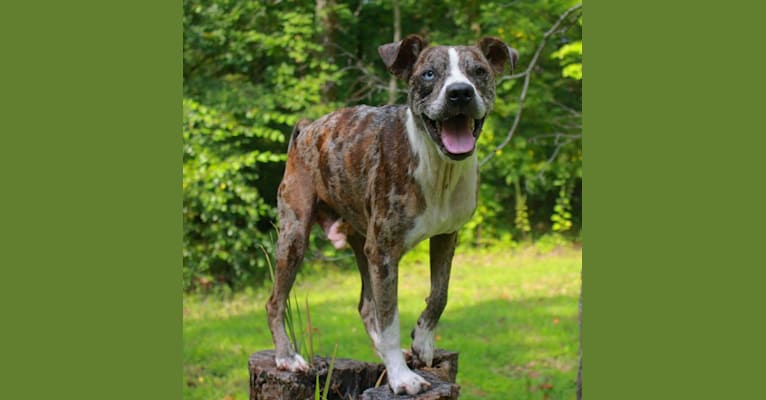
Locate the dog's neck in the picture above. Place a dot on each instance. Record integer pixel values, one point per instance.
(435, 170)
(449, 187)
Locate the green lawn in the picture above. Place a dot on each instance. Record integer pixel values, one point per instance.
(511, 315)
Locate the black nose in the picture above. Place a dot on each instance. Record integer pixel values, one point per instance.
(460, 94)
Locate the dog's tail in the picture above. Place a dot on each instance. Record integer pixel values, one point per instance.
(297, 129)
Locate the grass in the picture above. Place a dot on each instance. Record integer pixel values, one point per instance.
(511, 315)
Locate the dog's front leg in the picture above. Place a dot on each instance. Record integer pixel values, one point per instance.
(441, 251)
(383, 267)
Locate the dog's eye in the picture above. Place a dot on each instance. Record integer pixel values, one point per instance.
(480, 71)
(429, 75)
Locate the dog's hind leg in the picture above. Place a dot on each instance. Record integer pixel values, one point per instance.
(296, 200)
(441, 251)
(366, 305)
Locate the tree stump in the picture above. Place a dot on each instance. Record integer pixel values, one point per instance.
(351, 379)
(439, 390)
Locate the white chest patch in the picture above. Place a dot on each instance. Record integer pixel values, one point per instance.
(449, 188)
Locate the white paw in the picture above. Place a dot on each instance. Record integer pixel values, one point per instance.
(296, 363)
(423, 346)
(406, 381)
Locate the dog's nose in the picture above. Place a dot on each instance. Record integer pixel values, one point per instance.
(460, 94)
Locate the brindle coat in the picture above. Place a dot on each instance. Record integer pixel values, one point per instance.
(374, 175)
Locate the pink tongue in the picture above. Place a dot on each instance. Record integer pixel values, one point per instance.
(457, 135)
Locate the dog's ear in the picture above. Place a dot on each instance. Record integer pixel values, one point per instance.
(498, 53)
(400, 56)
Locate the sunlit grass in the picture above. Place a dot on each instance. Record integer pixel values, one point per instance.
(511, 315)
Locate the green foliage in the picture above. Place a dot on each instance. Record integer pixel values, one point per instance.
(549, 242)
(253, 69)
(222, 206)
(562, 217)
(522, 216)
(250, 73)
(570, 55)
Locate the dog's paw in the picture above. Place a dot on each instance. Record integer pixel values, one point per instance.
(423, 346)
(407, 382)
(295, 363)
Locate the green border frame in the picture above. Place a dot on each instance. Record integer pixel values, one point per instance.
(90, 163)
(672, 226)
(91, 212)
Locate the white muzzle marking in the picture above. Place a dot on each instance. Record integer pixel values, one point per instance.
(455, 75)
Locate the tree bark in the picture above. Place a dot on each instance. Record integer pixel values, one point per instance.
(350, 379)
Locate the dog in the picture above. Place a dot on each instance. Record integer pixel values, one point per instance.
(382, 179)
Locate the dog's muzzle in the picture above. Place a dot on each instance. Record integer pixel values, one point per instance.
(457, 129)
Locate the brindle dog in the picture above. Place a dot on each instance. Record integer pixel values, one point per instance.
(383, 179)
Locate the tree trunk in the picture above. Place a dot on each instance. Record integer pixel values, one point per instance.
(397, 37)
(328, 23)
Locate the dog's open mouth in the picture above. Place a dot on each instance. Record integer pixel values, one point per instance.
(457, 134)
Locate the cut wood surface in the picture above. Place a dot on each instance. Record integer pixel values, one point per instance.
(351, 379)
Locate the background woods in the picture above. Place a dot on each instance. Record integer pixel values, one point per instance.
(252, 69)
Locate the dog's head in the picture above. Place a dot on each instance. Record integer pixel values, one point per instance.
(451, 88)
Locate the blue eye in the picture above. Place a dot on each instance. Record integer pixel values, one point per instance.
(429, 75)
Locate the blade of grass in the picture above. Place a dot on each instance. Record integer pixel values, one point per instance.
(268, 262)
(329, 373)
(311, 332)
(291, 325)
(301, 333)
(380, 378)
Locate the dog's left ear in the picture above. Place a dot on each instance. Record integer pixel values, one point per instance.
(400, 56)
(498, 53)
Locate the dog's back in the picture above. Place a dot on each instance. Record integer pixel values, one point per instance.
(359, 154)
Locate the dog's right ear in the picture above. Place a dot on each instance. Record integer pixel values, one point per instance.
(400, 56)
(498, 54)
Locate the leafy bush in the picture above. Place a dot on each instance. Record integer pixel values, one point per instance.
(248, 78)
(225, 216)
